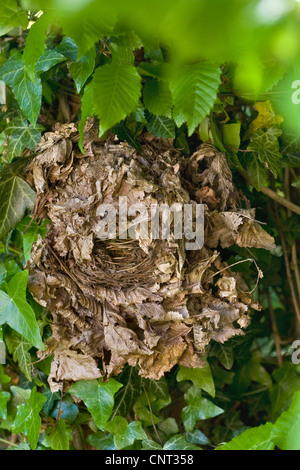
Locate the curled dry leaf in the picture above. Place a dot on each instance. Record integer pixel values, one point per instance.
(136, 301)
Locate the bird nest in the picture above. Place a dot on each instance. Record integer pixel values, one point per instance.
(146, 302)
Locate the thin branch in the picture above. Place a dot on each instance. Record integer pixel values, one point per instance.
(281, 200)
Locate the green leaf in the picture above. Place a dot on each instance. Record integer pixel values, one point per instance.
(286, 431)
(49, 59)
(98, 396)
(161, 126)
(169, 427)
(4, 397)
(28, 420)
(4, 379)
(296, 183)
(30, 233)
(27, 93)
(198, 408)
(19, 348)
(252, 439)
(266, 146)
(197, 437)
(157, 98)
(16, 196)
(11, 15)
(68, 48)
(127, 395)
(194, 90)
(148, 444)
(201, 377)
(101, 441)
(179, 442)
(224, 353)
(17, 313)
(257, 172)
(116, 90)
(58, 437)
(21, 135)
(35, 44)
(125, 434)
(231, 135)
(83, 68)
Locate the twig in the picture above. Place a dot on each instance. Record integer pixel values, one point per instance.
(281, 200)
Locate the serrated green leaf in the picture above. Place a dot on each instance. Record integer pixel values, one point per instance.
(98, 396)
(201, 377)
(253, 439)
(198, 408)
(157, 98)
(27, 93)
(17, 313)
(286, 430)
(16, 196)
(179, 442)
(125, 434)
(11, 15)
(116, 90)
(28, 420)
(59, 437)
(4, 397)
(266, 146)
(194, 90)
(83, 68)
(161, 126)
(21, 135)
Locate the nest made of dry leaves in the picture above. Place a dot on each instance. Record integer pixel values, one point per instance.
(141, 302)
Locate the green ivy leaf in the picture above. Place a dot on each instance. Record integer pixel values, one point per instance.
(116, 90)
(286, 431)
(201, 377)
(179, 442)
(4, 397)
(127, 395)
(198, 408)
(257, 172)
(27, 93)
(98, 396)
(157, 98)
(35, 44)
(148, 444)
(19, 348)
(58, 437)
(11, 15)
(194, 90)
(16, 196)
(28, 420)
(253, 439)
(224, 353)
(17, 313)
(83, 68)
(125, 434)
(49, 59)
(161, 126)
(266, 146)
(21, 135)
(4, 379)
(102, 441)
